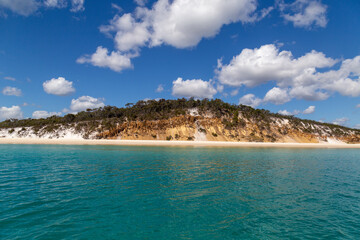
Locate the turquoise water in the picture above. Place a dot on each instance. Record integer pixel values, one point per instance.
(110, 192)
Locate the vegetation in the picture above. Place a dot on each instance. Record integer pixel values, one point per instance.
(109, 117)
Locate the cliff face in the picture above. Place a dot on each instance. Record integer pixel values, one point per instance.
(181, 119)
(200, 128)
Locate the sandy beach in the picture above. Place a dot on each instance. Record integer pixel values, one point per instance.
(172, 143)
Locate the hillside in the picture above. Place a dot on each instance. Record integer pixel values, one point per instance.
(207, 120)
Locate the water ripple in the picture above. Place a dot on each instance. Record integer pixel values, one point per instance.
(104, 192)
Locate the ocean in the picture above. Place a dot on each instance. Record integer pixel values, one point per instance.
(118, 192)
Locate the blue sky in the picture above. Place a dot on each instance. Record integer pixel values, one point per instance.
(298, 57)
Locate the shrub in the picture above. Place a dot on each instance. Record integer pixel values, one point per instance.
(202, 130)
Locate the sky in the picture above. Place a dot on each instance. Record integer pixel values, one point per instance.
(294, 57)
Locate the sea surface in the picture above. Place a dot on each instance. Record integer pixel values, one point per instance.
(117, 192)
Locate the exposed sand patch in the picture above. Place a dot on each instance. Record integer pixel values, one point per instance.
(173, 143)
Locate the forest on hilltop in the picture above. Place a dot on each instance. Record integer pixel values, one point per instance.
(109, 117)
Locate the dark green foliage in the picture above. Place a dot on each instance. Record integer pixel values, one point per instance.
(202, 130)
(109, 117)
(235, 120)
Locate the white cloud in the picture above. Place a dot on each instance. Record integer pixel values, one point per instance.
(55, 3)
(220, 88)
(10, 78)
(357, 126)
(253, 67)
(44, 114)
(234, 92)
(13, 112)
(117, 7)
(28, 7)
(21, 7)
(310, 93)
(178, 23)
(358, 106)
(184, 23)
(285, 112)
(160, 88)
(86, 102)
(277, 96)
(300, 76)
(305, 13)
(77, 5)
(12, 91)
(250, 100)
(58, 86)
(309, 110)
(140, 2)
(345, 80)
(101, 58)
(130, 35)
(341, 121)
(196, 88)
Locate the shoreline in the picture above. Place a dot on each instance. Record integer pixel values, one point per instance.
(28, 141)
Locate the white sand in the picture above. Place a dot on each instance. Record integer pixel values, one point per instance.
(172, 143)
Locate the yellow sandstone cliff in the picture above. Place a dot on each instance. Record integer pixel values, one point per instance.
(199, 128)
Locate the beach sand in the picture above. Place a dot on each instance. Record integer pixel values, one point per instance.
(172, 143)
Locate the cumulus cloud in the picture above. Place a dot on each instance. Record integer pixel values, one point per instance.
(44, 114)
(341, 121)
(305, 13)
(101, 58)
(250, 100)
(140, 2)
(219, 88)
(277, 96)
(77, 5)
(58, 86)
(13, 112)
(299, 77)
(160, 88)
(253, 67)
(55, 3)
(234, 92)
(12, 91)
(178, 23)
(21, 7)
(285, 112)
(309, 110)
(183, 23)
(196, 88)
(86, 102)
